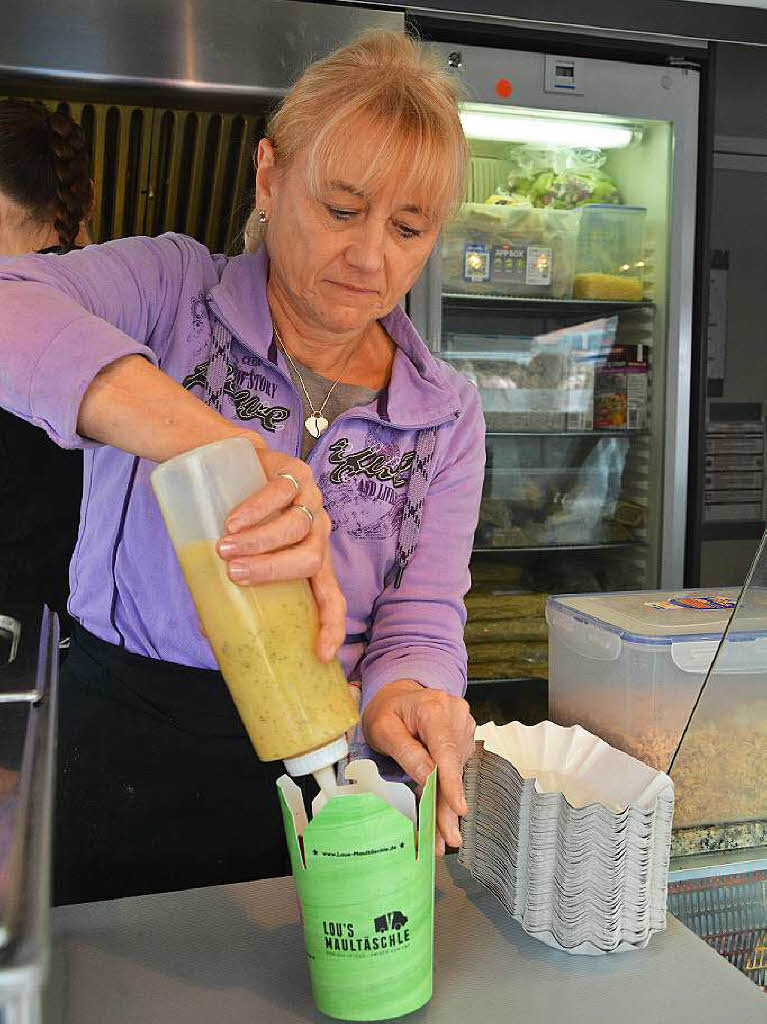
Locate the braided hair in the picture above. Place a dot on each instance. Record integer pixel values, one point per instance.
(45, 166)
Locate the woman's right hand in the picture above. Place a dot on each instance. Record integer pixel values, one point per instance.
(290, 544)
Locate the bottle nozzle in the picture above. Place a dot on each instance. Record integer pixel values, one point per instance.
(326, 780)
(316, 761)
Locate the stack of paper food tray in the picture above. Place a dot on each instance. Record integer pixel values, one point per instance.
(570, 834)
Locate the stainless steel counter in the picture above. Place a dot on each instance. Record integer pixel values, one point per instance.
(234, 954)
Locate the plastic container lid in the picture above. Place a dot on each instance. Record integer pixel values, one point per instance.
(661, 616)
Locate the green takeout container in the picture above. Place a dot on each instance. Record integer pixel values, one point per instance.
(365, 881)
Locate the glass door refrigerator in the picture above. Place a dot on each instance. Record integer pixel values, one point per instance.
(563, 290)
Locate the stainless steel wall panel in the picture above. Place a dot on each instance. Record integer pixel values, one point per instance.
(247, 47)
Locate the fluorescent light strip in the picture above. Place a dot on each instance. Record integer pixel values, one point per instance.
(504, 126)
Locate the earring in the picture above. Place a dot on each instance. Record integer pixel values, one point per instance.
(262, 215)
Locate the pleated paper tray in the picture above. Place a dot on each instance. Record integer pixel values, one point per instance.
(571, 835)
(730, 913)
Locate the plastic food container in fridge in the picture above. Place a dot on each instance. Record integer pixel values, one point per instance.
(609, 261)
(629, 668)
(491, 249)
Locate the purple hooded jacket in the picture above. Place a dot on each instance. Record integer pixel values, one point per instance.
(63, 318)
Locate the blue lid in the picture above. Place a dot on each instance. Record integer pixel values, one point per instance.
(659, 617)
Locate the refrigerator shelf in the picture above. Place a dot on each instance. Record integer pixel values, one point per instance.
(562, 307)
(492, 680)
(617, 432)
(537, 549)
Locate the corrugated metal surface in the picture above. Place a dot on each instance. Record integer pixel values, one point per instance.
(200, 178)
(159, 169)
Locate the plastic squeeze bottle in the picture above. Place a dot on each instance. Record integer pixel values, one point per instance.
(293, 706)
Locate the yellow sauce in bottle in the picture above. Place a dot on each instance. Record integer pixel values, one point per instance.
(264, 640)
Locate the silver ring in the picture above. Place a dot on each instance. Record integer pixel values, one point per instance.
(307, 511)
(289, 476)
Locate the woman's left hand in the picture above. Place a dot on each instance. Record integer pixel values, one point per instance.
(270, 538)
(420, 728)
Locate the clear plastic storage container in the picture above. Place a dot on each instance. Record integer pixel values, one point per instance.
(293, 706)
(564, 492)
(528, 389)
(510, 250)
(629, 666)
(609, 261)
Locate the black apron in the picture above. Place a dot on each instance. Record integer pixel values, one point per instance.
(158, 785)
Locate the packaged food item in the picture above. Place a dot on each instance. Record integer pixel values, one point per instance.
(507, 249)
(524, 393)
(610, 261)
(561, 178)
(607, 286)
(546, 384)
(586, 345)
(573, 187)
(631, 514)
(620, 389)
(528, 506)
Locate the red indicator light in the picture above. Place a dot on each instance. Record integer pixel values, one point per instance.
(504, 87)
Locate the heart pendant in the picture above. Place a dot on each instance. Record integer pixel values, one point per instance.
(315, 425)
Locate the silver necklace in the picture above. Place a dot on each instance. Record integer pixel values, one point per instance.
(315, 423)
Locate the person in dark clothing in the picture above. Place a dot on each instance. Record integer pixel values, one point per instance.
(46, 193)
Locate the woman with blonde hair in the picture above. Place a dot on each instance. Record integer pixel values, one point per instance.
(141, 348)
